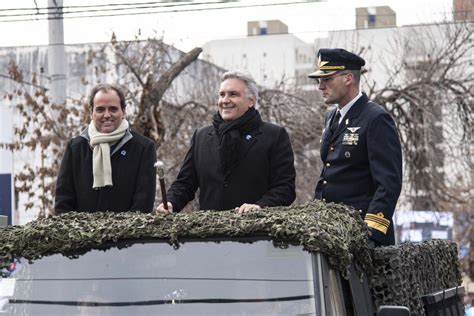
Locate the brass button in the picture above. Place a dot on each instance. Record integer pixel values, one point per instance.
(325, 182)
(328, 165)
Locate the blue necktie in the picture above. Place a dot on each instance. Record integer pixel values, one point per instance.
(335, 122)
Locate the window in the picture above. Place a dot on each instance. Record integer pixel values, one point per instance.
(152, 278)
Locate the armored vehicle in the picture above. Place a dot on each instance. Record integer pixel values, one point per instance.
(303, 260)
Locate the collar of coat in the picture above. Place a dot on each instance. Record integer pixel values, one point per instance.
(128, 136)
(258, 130)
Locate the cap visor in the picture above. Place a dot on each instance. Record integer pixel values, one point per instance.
(320, 74)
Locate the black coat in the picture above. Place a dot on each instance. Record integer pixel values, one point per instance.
(133, 177)
(362, 166)
(264, 176)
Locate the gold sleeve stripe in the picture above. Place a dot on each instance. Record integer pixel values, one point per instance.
(332, 67)
(382, 228)
(378, 221)
(377, 218)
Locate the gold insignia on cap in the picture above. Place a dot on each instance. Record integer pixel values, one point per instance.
(377, 222)
(322, 63)
(332, 67)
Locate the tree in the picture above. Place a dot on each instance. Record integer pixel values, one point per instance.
(44, 124)
(160, 107)
(431, 99)
(39, 138)
(301, 113)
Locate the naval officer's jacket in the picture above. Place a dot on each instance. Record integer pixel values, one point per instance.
(362, 165)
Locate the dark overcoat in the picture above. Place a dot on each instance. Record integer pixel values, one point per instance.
(362, 165)
(264, 174)
(133, 177)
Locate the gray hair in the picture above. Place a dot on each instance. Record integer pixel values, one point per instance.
(251, 89)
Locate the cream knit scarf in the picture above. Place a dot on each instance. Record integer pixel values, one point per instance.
(100, 143)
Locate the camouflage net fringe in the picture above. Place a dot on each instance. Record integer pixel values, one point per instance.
(401, 274)
(311, 225)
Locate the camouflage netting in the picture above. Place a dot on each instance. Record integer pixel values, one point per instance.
(333, 229)
(402, 274)
(399, 275)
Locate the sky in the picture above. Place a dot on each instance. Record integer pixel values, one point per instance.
(186, 30)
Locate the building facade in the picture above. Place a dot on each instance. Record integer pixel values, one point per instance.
(271, 55)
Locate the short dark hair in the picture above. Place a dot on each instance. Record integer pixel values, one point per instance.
(356, 74)
(106, 87)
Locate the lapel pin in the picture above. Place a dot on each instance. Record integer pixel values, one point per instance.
(123, 152)
(248, 137)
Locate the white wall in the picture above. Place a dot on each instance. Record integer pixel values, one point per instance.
(268, 58)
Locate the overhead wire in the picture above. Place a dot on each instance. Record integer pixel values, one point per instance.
(115, 4)
(95, 8)
(187, 8)
(184, 7)
(45, 17)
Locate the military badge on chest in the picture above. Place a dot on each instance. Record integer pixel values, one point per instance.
(351, 138)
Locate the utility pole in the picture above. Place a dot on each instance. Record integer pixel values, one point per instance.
(57, 78)
(56, 54)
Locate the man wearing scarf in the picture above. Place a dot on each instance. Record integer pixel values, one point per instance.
(107, 167)
(239, 162)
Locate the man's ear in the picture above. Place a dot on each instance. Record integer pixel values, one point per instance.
(252, 99)
(349, 79)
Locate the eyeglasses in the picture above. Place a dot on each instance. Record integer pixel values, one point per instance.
(327, 79)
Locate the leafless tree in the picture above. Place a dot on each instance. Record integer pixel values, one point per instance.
(44, 124)
(162, 108)
(301, 113)
(430, 94)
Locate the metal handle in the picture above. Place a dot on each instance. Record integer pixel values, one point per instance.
(160, 170)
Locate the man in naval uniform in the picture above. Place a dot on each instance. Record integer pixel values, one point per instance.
(360, 146)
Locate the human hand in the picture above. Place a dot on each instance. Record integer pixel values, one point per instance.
(244, 208)
(161, 209)
(372, 244)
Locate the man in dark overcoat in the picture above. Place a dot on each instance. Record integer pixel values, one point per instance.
(108, 167)
(360, 146)
(239, 162)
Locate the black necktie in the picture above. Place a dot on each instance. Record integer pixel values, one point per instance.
(335, 122)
